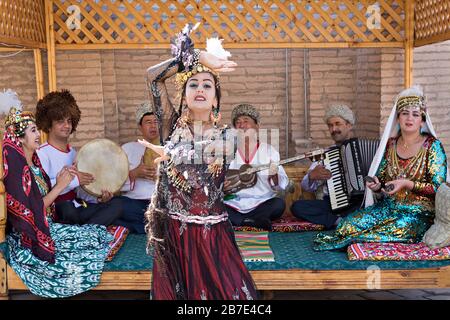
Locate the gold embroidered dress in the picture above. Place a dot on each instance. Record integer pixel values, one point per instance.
(404, 216)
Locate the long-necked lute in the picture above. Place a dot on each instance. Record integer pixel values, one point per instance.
(245, 177)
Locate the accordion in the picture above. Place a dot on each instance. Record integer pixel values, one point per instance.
(349, 163)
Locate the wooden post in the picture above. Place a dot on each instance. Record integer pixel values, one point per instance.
(3, 278)
(3, 275)
(50, 38)
(409, 42)
(39, 82)
(2, 199)
(39, 73)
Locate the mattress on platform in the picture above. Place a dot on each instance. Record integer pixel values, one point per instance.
(291, 250)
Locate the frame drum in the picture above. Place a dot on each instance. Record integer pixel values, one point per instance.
(107, 162)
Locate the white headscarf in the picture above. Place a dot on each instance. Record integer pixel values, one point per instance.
(392, 130)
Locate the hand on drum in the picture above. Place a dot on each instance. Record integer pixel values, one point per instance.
(83, 177)
(105, 197)
(158, 149)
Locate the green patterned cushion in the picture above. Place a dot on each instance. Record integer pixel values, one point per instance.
(291, 250)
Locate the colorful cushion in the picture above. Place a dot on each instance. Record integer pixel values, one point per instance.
(120, 235)
(291, 224)
(254, 246)
(288, 224)
(396, 251)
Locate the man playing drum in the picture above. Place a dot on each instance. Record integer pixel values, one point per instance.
(57, 114)
(139, 187)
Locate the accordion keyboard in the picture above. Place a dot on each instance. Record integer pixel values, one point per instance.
(337, 188)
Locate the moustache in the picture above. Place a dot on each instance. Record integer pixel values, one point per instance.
(335, 133)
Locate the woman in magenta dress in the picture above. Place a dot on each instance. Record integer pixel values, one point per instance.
(195, 253)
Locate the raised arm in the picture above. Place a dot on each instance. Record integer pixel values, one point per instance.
(164, 110)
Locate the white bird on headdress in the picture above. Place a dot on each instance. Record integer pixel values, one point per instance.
(9, 99)
(214, 46)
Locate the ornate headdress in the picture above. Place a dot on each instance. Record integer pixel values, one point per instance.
(244, 110)
(183, 50)
(143, 109)
(411, 98)
(16, 120)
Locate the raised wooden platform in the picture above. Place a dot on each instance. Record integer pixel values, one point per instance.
(290, 279)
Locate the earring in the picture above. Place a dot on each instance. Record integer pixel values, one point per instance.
(215, 115)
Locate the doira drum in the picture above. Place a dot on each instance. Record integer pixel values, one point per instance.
(107, 162)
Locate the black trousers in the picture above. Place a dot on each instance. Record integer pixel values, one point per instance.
(319, 211)
(95, 213)
(271, 209)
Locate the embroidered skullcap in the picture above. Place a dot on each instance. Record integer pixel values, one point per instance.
(141, 110)
(244, 110)
(342, 111)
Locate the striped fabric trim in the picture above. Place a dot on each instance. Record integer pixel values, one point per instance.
(254, 246)
(120, 234)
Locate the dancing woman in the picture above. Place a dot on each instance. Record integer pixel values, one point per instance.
(195, 253)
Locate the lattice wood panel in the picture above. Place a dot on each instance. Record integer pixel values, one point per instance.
(432, 21)
(22, 22)
(238, 22)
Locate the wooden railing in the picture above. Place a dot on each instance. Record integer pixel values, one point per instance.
(22, 23)
(248, 23)
(432, 21)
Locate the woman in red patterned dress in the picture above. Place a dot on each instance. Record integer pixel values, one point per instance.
(195, 253)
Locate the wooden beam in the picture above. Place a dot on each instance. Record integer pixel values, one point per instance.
(3, 278)
(22, 42)
(433, 39)
(39, 73)
(51, 50)
(246, 45)
(409, 42)
(295, 279)
(39, 82)
(2, 200)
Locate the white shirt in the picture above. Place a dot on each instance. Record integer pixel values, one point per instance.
(141, 189)
(53, 160)
(248, 199)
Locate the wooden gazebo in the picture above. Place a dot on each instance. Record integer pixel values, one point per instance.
(50, 25)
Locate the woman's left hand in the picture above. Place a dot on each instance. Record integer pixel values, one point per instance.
(158, 149)
(399, 185)
(216, 63)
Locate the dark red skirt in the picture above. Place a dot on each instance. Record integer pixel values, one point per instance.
(206, 265)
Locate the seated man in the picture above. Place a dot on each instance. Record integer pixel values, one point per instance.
(256, 206)
(138, 189)
(340, 121)
(57, 114)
